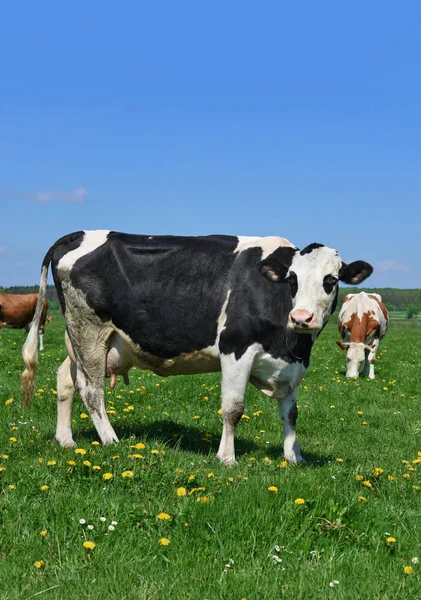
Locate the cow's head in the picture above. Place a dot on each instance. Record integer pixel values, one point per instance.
(356, 353)
(313, 274)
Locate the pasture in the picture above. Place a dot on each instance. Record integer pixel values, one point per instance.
(166, 521)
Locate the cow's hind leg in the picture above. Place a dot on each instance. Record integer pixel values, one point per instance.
(235, 375)
(66, 377)
(90, 385)
(288, 413)
(90, 349)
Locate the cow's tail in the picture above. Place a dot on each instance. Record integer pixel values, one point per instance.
(30, 347)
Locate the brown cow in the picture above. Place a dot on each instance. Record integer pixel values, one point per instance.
(362, 323)
(17, 311)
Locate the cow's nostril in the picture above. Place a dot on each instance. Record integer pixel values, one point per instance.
(309, 319)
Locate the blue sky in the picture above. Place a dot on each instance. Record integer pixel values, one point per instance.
(295, 119)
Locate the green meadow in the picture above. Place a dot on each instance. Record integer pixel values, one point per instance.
(157, 517)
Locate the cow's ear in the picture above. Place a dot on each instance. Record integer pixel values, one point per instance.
(342, 345)
(272, 269)
(355, 272)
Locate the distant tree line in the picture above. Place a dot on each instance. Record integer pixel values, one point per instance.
(394, 299)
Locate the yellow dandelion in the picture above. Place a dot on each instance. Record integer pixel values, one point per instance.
(367, 483)
(84, 416)
(283, 464)
(71, 463)
(362, 499)
(340, 460)
(95, 443)
(13, 439)
(299, 501)
(43, 533)
(273, 488)
(163, 516)
(9, 401)
(406, 475)
(127, 474)
(181, 491)
(86, 463)
(377, 471)
(139, 446)
(391, 478)
(390, 540)
(408, 570)
(107, 476)
(154, 451)
(359, 477)
(38, 564)
(164, 542)
(2, 469)
(13, 487)
(80, 451)
(44, 487)
(202, 499)
(96, 468)
(89, 545)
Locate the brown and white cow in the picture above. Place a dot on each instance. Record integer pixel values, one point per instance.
(362, 323)
(17, 311)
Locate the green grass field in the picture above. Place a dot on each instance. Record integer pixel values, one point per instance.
(169, 522)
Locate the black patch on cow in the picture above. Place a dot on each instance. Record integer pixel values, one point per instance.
(166, 293)
(310, 248)
(355, 272)
(292, 415)
(329, 282)
(293, 283)
(335, 302)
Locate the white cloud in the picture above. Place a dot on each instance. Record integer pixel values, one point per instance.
(75, 196)
(3, 251)
(391, 266)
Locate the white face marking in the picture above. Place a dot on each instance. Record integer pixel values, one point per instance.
(311, 297)
(267, 244)
(91, 241)
(355, 356)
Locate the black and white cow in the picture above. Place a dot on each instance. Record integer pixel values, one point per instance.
(250, 307)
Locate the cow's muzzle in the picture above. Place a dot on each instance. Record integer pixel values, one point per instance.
(302, 321)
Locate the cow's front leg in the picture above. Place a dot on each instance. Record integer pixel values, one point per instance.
(288, 412)
(235, 375)
(372, 358)
(365, 370)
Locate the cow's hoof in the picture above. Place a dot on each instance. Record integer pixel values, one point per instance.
(110, 440)
(295, 460)
(65, 442)
(228, 461)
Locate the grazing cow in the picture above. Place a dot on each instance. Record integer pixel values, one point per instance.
(247, 306)
(17, 311)
(362, 324)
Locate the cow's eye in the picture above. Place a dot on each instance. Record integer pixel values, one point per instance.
(329, 282)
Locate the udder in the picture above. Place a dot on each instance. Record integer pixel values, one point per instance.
(119, 362)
